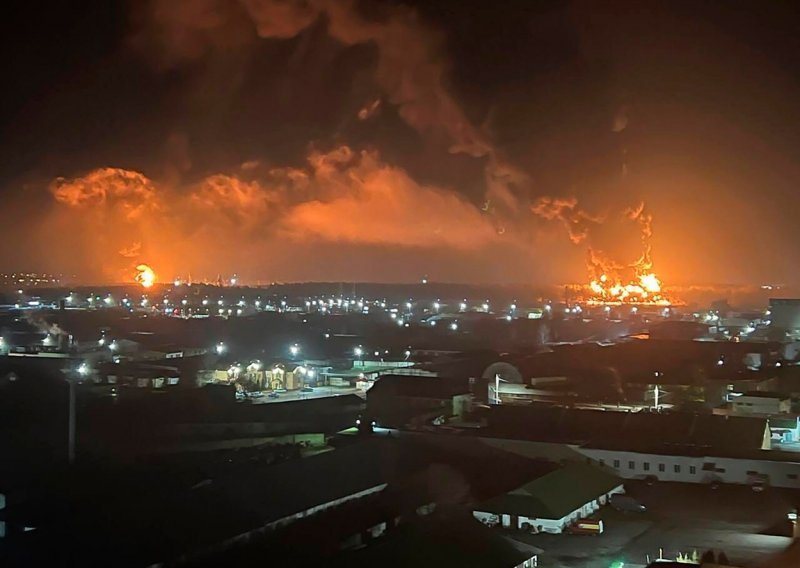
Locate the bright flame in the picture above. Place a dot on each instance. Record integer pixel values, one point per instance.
(145, 276)
(644, 289)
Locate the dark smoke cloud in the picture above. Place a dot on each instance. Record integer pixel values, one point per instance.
(410, 69)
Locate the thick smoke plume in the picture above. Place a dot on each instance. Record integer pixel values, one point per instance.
(120, 218)
(410, 67)
(618, 238)
(340, 196)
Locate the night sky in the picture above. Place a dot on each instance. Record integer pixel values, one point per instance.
(328, 141)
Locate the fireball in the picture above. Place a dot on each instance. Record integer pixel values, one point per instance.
(145, 276)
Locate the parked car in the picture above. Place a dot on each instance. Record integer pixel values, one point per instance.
(626, 504)
(273, 395)
(306, 389)
(256, 394)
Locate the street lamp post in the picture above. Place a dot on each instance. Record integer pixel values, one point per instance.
(497, 381)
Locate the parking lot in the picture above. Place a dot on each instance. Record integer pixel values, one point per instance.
(681, 518)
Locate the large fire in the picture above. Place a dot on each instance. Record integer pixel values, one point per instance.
(645, 289)
(615, 283)
(145, 275)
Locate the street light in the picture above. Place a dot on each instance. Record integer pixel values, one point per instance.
(497, 381)
(294, 350)
(358, 351)
(220, 348)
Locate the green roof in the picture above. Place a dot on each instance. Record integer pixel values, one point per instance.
(556, 494)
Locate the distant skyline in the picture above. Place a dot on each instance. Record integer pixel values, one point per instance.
(388, 141)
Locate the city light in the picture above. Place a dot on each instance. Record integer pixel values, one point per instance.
(83, 369)
(358, 352)
(220, 348)
(294, 350)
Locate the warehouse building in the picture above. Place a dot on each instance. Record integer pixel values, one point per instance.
(552, 502)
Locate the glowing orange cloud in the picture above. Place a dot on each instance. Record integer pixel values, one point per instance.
(227, 220)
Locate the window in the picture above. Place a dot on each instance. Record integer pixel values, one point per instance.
(646, 466)
(677, 469)
(616, 464)
(661, 467)
(631, 465)
(692, 469)
(791, 475)
(602, 461)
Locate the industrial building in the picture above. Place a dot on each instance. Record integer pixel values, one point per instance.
(395, 400)
(784, 314)
(552, 502)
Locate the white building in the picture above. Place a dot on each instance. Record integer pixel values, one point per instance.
(552, 502)
(761, 403)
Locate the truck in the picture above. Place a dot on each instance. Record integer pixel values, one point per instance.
(586, 526)
(626, 504)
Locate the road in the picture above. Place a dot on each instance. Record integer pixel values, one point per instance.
(319, 392)
(681, 518)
